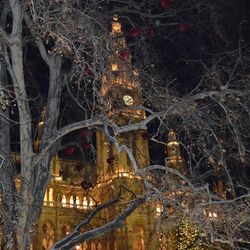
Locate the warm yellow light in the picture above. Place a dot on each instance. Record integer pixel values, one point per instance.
(114, 66)
(77, 202)
(71, 201)
(64, 201)
(85, 203)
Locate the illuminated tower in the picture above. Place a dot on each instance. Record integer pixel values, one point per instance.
(121, 99)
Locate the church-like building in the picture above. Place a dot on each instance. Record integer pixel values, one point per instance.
(68, 200)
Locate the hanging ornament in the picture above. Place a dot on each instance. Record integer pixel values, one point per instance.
(87, 71)
(165, 4)
(150, 32)
(183, 27)
(69, 150)
(83, 133)
(136, 32)
(86, 146)
(125, 54)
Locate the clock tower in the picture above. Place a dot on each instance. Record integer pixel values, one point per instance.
(120, 88)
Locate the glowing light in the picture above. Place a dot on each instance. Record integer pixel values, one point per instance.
(85, 203)
(77, 202)
(71, 201)
(114, 66)
(64, 201)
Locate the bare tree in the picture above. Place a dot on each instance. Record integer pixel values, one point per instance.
(210, 112)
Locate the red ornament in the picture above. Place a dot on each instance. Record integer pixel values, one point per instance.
(83, 133)
(183, 27)
(125, 54)
(86, 146)
(87, 71)
(135, 32)
(69, 150)
(150, 32)
(165, 4)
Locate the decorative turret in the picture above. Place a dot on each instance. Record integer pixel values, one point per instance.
(174, 159)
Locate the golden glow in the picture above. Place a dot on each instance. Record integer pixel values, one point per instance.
(64, 201)
(114, 66)
(159, 209)
(128, 100)
(77, 202)
(51, 197)
(71, 201)
(91, 203)
(116, 25)
(45, 199)
(85, 203)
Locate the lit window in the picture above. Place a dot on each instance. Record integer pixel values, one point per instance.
(51, 198)
(71, 201)
(85, 203)
(91, 203)
(77, 202)
(64, 201)
(45, 199)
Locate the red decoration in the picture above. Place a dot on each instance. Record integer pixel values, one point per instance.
(125, 54)
(87, 71)
(69, 150)
(165, 4)
(83, 133)
(150, 32)
(86, 146)
(183, 27)
(135, 32)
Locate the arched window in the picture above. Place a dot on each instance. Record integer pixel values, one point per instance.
(85, 203)
(85, 245)
(64, 201)
(93, 246)
(45, 199)
(77, 202)
(71, 201)
(99, 246)
(91, 203)
(51, 197)
(138, 239)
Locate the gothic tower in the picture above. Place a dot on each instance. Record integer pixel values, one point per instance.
(121, 100)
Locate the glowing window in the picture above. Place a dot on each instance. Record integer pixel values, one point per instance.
(45, 199)
(71, 201)
(64, 201)
(51, 197)
(85, 203)
(77, 202)
(91, 203)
